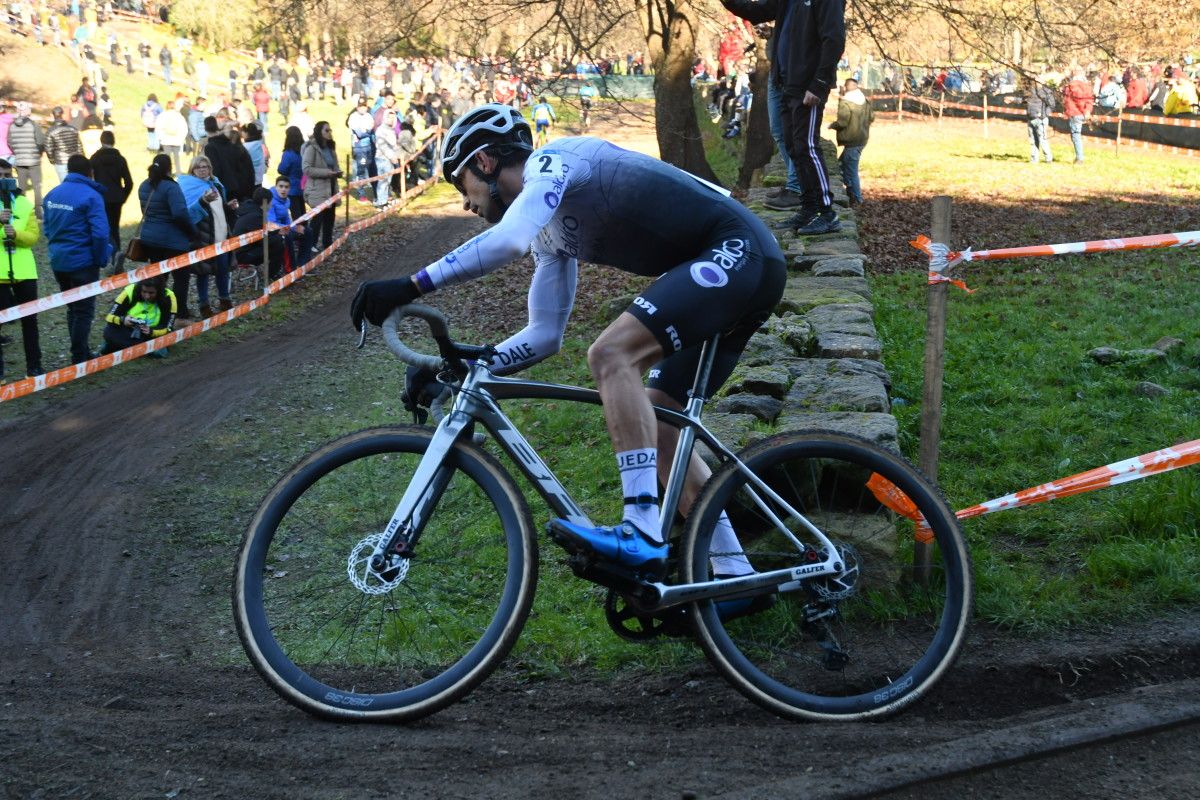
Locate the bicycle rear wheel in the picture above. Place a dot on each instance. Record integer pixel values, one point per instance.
(343, 641)
(859, 645)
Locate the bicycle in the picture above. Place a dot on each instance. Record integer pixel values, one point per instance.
(354, 605)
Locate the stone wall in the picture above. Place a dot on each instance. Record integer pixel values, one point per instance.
(816, 362)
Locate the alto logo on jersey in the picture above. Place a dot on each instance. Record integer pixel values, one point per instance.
(551, 199)
(731, 255)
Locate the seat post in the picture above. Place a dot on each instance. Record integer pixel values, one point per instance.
(708, 353)
(687, 437)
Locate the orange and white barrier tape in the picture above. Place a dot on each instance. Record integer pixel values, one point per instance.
(942, 258)
(27, 386)
(122, 280)
(1130, 469)
(11, 391)
(176, 262)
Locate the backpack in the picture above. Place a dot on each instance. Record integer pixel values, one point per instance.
(149, 115)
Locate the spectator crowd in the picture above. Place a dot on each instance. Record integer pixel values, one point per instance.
(211, 174)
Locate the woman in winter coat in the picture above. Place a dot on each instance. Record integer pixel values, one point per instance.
(318, 160)
(167, 228)
(207, 200)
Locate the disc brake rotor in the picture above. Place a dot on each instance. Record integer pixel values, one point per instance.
(368, 580)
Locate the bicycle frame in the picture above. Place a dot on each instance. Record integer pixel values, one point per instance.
(476, 402)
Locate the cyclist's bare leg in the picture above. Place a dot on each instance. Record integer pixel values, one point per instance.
(668, 435)
(618, 359)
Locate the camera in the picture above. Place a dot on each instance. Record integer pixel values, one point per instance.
(8, 186)
(138, 322)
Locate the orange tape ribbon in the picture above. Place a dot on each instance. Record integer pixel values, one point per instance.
(58, 377)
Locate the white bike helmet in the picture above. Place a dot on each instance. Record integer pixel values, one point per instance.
(489, 125)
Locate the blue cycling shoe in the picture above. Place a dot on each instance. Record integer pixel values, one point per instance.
(743, 606)
(623, 544)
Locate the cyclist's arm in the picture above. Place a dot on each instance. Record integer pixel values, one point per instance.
(545, 182)
(551, 297)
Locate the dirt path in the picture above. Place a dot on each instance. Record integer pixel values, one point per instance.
(103, 696)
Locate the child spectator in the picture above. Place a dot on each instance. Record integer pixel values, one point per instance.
(279, 213)
(142, 311)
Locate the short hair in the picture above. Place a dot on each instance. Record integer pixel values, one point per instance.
(210, 125)
(78, 164)
(57, 111)
(108, 138)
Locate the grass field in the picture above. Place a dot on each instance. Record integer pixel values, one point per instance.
(1024, 404)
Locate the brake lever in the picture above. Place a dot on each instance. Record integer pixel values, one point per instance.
(362, 335)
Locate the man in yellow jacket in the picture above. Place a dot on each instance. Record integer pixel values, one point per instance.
(18, 271)
(1182, 97)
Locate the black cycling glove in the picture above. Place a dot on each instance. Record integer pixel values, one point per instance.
(421, 386)
(376, 299)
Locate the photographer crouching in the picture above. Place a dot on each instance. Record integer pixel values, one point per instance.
(142, 311)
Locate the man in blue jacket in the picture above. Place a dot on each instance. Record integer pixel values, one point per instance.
(77, 232)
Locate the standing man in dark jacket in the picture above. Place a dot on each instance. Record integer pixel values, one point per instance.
(111, 170)
(62, 142)
(230, 161)
(1039, 102)
(804, 50)
(77, 232)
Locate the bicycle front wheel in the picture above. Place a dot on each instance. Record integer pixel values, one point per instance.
(343, 641)
(858, 645)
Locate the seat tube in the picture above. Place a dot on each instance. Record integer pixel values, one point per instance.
(687, 437)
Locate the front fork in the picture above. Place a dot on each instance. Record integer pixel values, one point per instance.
(424, 490)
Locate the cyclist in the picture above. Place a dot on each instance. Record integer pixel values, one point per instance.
(587, 93)
(543, 118)
(718, 269)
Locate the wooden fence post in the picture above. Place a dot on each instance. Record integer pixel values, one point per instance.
(985, 115)
(931, 402)
(941, 107)
(347, 193)
(1118, 147)
(264, 271)
(900, 105)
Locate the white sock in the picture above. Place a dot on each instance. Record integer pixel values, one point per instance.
(724, 540)
(639, 476)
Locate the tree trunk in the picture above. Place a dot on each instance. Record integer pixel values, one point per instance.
(759, 144)
(670, 29)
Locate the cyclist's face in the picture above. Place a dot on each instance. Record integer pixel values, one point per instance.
(476, 197)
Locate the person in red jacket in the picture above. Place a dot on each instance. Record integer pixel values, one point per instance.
(1077, 103)
(729, 51)
(1137, 93)
(262, 104)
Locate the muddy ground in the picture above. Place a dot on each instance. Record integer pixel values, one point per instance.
(106, 690)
